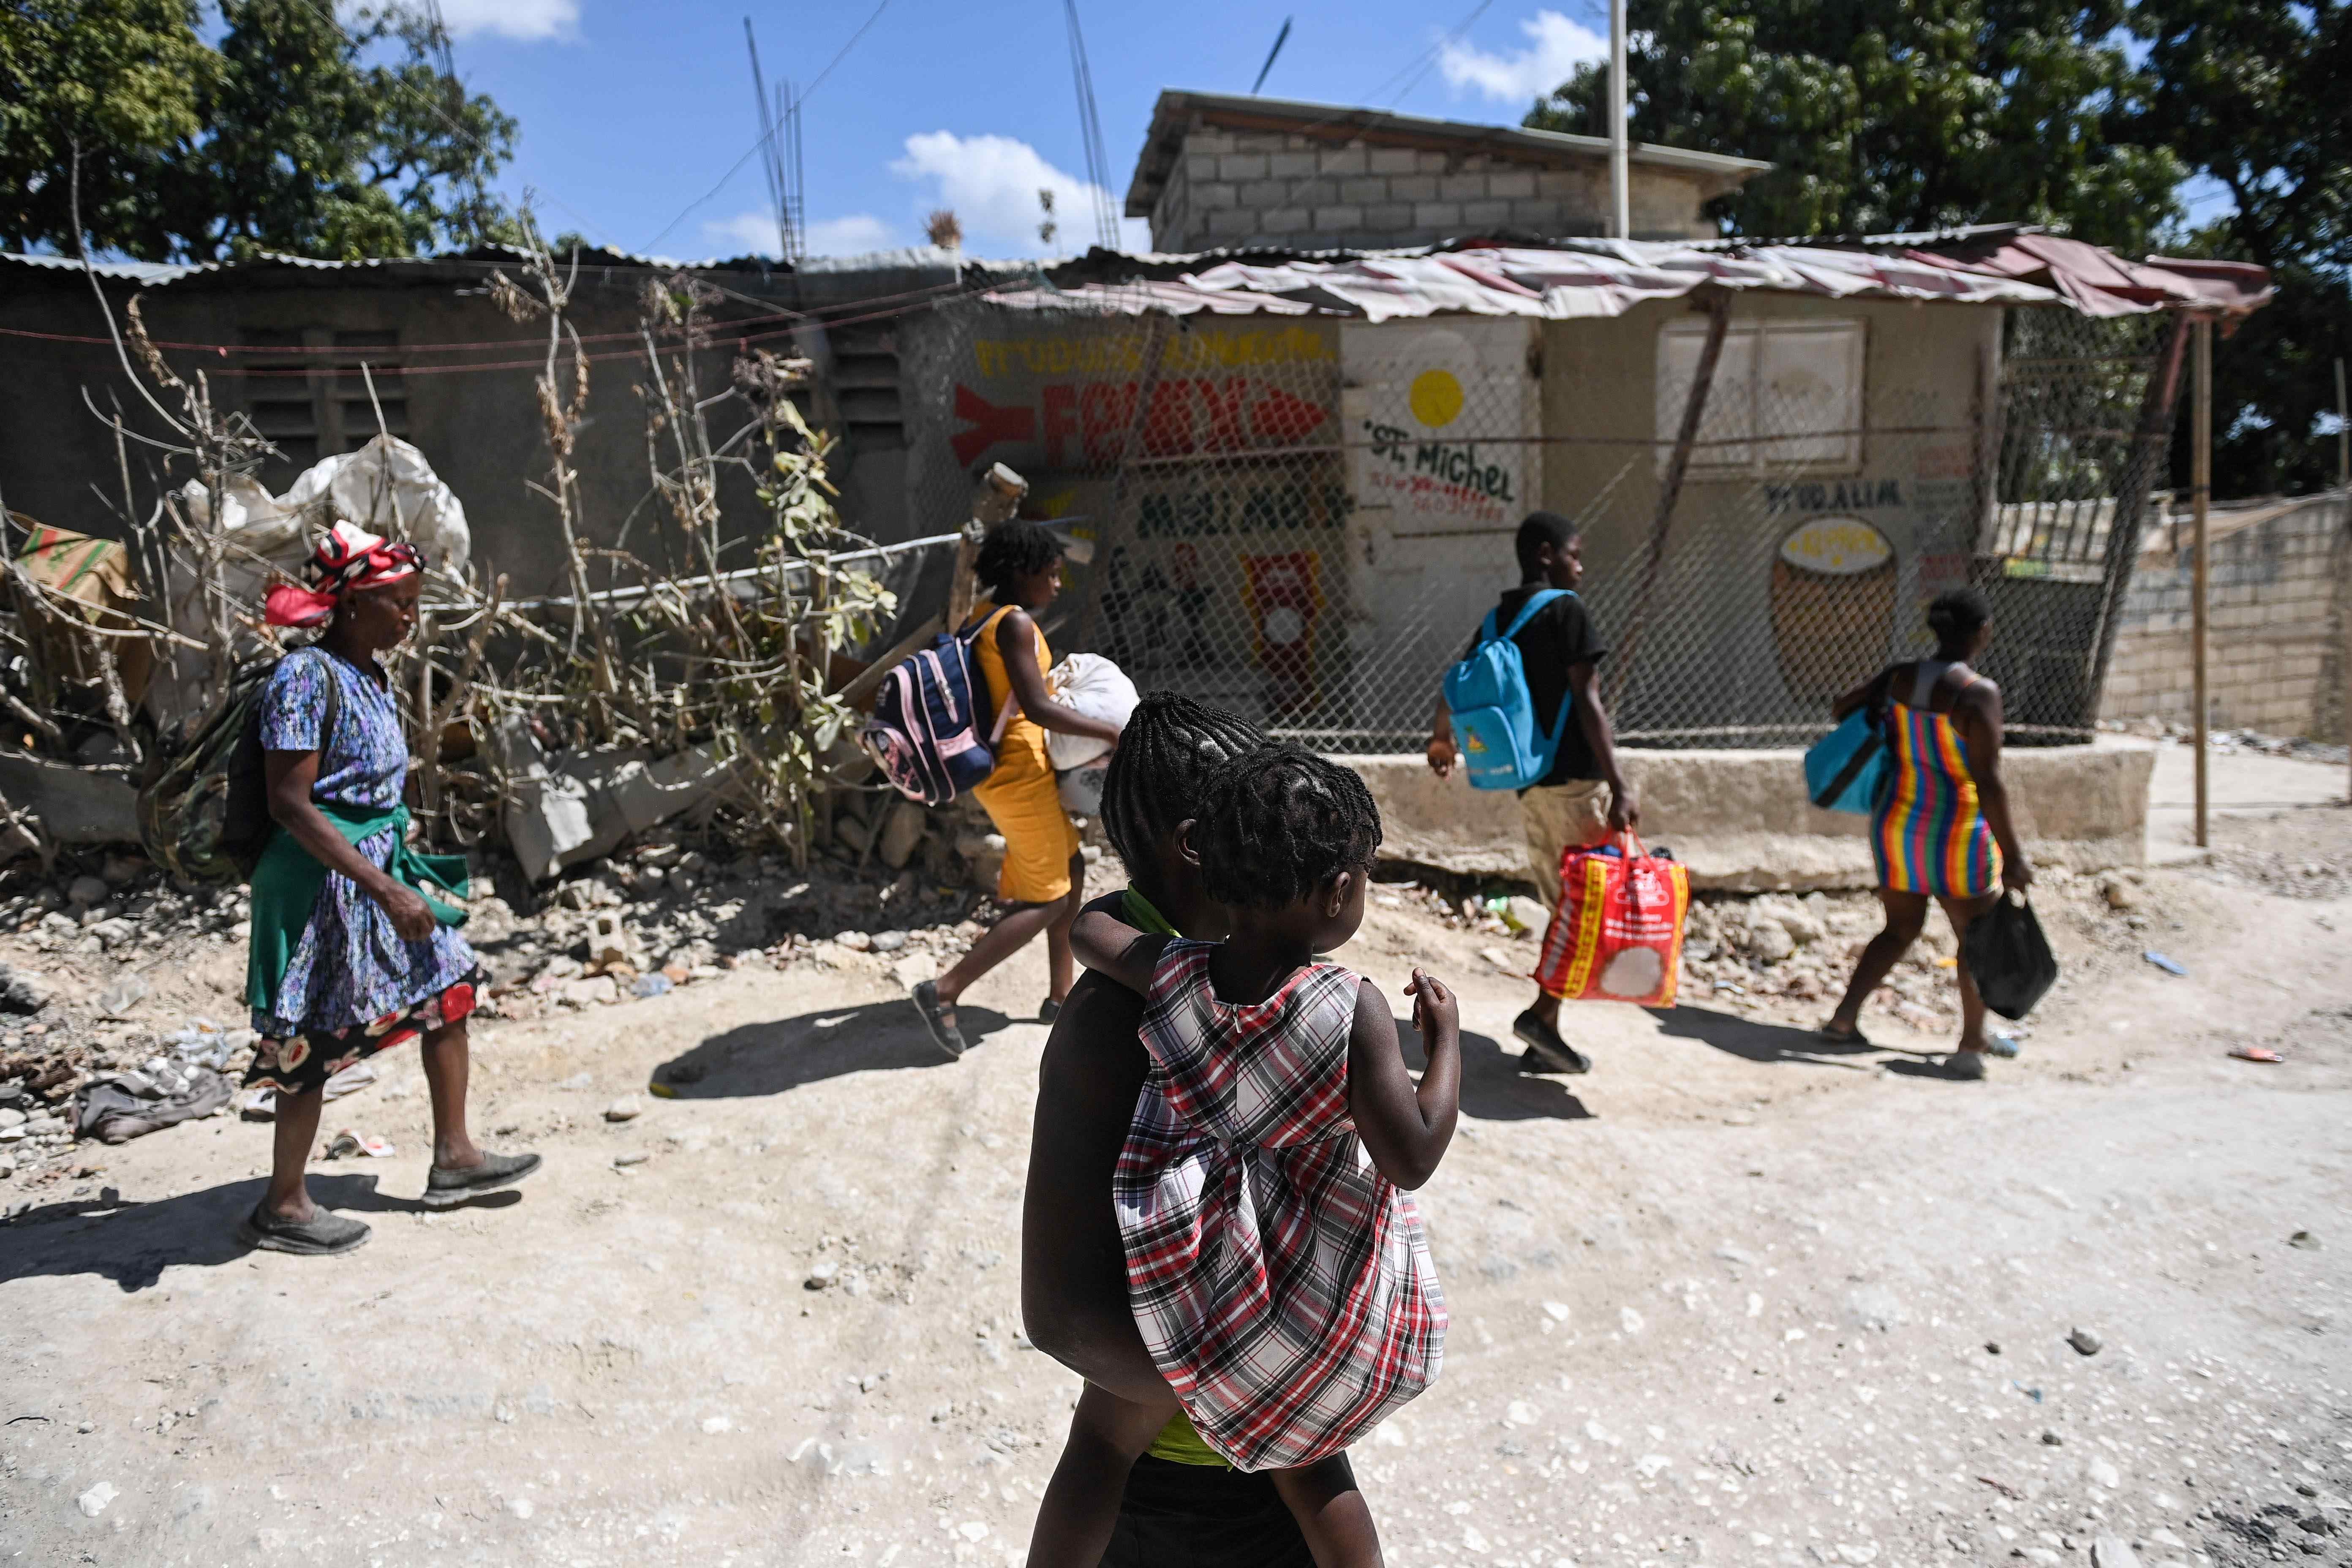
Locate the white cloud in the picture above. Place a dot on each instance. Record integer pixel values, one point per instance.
(1556, 46)
(525, 20)
(754, 234)
(992, 184)
(852, 236)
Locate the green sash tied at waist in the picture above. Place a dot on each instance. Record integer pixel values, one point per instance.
(288, 880)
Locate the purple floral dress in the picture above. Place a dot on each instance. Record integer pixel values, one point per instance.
(352, 985)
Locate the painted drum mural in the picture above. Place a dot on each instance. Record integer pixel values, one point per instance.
(1833, 597)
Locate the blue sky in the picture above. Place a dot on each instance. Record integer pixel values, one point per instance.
(631, 110)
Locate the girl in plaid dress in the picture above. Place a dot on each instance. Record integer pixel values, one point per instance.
(1279, 1278)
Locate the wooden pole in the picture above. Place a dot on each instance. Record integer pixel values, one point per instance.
(2201, 488)
(1670, 488)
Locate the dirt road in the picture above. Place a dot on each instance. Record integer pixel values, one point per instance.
(1737, 1298)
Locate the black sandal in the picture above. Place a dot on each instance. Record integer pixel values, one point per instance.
(925, 995)
(446, 1188)
(323, 1235)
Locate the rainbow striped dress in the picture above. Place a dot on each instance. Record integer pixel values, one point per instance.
(1929, 835)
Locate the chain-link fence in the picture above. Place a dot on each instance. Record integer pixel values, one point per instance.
(1302, 517)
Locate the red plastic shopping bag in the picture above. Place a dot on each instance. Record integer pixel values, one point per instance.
(1617, 935)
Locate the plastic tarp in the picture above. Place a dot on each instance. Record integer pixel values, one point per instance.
(386, 486)
(1599, 278)
(1607, 277)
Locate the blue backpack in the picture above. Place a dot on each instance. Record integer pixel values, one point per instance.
(925, 731)
(1494, 713)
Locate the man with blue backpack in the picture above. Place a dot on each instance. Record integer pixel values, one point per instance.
(1522, 711)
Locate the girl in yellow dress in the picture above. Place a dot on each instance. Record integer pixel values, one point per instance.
(1043, 880)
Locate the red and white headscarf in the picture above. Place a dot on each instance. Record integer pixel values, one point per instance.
(349, 558)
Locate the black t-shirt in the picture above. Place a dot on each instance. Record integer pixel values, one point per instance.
(1560, 636)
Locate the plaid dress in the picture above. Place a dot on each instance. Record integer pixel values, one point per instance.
(1282, 1284)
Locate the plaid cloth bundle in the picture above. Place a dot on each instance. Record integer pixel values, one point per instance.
(1283, 1285)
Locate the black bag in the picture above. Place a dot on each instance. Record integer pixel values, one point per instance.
(205, 816)
(2009, 957)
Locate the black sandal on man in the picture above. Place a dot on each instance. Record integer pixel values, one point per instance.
(1547, 1052)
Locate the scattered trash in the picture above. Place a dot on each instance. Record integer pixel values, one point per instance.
(117, 1106)
(2169, 966)
(645, 987)
(2033, 1393)
(348, 1144)
(2255, 1054)
(633, 1157)
(259, 1104)
(2303, 1239)
(93, 1502)
(351, 1080)
(120, 994)
(2084, 1342)
(2003, 1487)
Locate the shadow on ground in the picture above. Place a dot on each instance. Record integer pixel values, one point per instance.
(132, 1244)
(783, 1054)
(1493, 1086)
(1760, 1042)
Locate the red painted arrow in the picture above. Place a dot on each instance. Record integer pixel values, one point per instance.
(1279, 417)
(989, 423)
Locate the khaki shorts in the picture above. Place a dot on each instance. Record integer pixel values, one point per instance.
(1558, 818)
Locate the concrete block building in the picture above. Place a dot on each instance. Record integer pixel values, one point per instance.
(1221, 172)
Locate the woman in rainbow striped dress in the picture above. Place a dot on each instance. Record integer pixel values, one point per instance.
(1943, 832)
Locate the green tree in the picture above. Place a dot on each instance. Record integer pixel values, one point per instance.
(298, 133)
(1879, 116)
(2250, 93)
(119, 79)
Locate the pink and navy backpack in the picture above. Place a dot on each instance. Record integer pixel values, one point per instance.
(925, 733)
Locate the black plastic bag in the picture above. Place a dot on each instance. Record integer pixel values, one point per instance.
(2009, 957)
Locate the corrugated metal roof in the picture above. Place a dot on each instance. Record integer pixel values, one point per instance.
(1174, 115)
(143, 272)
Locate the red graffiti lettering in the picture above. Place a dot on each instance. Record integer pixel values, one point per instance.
(989, 423)
(1061, 424)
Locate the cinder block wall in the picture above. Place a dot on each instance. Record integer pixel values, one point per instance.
(1234, 187)
(2279, 595)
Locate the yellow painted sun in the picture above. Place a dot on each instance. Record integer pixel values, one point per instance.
(1436, 398)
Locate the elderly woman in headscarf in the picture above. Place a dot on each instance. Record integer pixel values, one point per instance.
(351, 953)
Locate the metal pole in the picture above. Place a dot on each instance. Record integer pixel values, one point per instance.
(2343, 435)
(2201, 488)
(1620, 223)
(2343, 588)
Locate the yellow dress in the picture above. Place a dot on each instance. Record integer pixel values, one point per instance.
(1020, 796)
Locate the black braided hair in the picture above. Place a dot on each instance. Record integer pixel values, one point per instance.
(1012, 550)
(1167, 748)
(1280, 822)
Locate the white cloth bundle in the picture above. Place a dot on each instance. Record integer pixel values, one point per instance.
(1096, 688)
